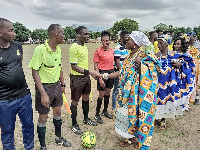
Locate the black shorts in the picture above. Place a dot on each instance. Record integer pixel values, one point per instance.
(79, 84)
(54, 92)
(108, 83)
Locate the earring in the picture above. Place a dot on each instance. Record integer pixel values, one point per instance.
(134, 46)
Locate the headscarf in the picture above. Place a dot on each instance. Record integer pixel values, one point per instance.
(191, 32)
(140, 38)
(165, 38)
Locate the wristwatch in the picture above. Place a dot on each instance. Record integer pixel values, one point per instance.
(63, 85)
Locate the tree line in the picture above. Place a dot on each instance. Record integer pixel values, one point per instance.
(23, 34)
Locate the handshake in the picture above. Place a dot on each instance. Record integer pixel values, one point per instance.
(96, 75)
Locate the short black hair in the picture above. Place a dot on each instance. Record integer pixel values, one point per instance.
(184, 44)
(105, 33)
(53, 28)
(171, 31)
(151, 33)
(79, 29)
(2, 20)
(159, 30)
(123, 32)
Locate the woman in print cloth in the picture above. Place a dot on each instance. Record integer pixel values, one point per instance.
(187, 76)
(137, 96)
(169, 101)
(196, 57)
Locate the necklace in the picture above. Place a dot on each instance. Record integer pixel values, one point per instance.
(131, 58)
(166, 58)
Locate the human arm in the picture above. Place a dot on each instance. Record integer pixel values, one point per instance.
(102, 84)
(78, 69)
(44, 97)
(117, 62)
(62, 81)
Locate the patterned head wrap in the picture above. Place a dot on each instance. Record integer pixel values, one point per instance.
(186, 37)
(165, 38)
(191, 32)
(140, 38)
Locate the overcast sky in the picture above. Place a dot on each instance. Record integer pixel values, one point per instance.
(101, 13)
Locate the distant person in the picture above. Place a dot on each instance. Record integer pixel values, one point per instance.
(153, 38)
(49, 84)
(103, 63)
(15, 96)
(171, 33)
(120, 53)
(179, 34)
(159, 32)
(80, 82)
(196, 57)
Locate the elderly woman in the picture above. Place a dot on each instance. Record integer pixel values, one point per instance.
(137, 94)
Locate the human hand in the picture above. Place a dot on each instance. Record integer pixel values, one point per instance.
(176, 64)
(63, 89)
(94, 74)
(45, 100)
(102, 84)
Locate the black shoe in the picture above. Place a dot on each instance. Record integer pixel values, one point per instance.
(62, 141)
(106, 114)
(98, 119)
(43, 148)
(89, 122)
(76, 129)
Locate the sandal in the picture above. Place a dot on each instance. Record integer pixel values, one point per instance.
(162, 125)
(128, 142)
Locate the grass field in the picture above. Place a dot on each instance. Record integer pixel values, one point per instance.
(183, 133)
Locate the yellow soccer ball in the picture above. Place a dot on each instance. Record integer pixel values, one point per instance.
(88, 139)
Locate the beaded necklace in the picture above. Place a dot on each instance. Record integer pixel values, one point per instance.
(127, 66)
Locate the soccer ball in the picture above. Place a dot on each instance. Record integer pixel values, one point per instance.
(88, 139)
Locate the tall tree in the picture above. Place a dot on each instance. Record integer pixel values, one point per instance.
(70, 33)
(163, 27)
(22, 33)
(39, 34)
(125, 24)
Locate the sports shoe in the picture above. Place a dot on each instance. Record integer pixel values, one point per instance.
(62, 141)
(106, 114)
(43, 148)
(89, 122)
(98, 119)
(76, 129)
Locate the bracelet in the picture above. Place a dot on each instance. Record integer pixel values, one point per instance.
(86, 72)
(63, 85)
(105, 76)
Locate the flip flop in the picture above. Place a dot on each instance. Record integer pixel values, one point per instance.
(128, 142)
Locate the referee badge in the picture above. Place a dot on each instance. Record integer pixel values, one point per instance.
(18, 53)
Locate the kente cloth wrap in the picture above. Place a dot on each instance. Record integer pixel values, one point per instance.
(196, 57)
(175, 85)
(139, 90)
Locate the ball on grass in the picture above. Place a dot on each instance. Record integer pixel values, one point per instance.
(88, 139)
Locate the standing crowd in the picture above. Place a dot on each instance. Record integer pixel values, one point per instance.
(154, 79)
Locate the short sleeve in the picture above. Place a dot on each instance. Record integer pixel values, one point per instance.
(73, 55)
(117, 52)
(96, 56)
(37, 59)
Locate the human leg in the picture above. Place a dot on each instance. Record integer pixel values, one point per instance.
(25, 113)
(8, 111)
(106, 102)
(57, 121)
(115, 92)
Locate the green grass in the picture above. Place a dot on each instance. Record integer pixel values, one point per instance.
(183, 133)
